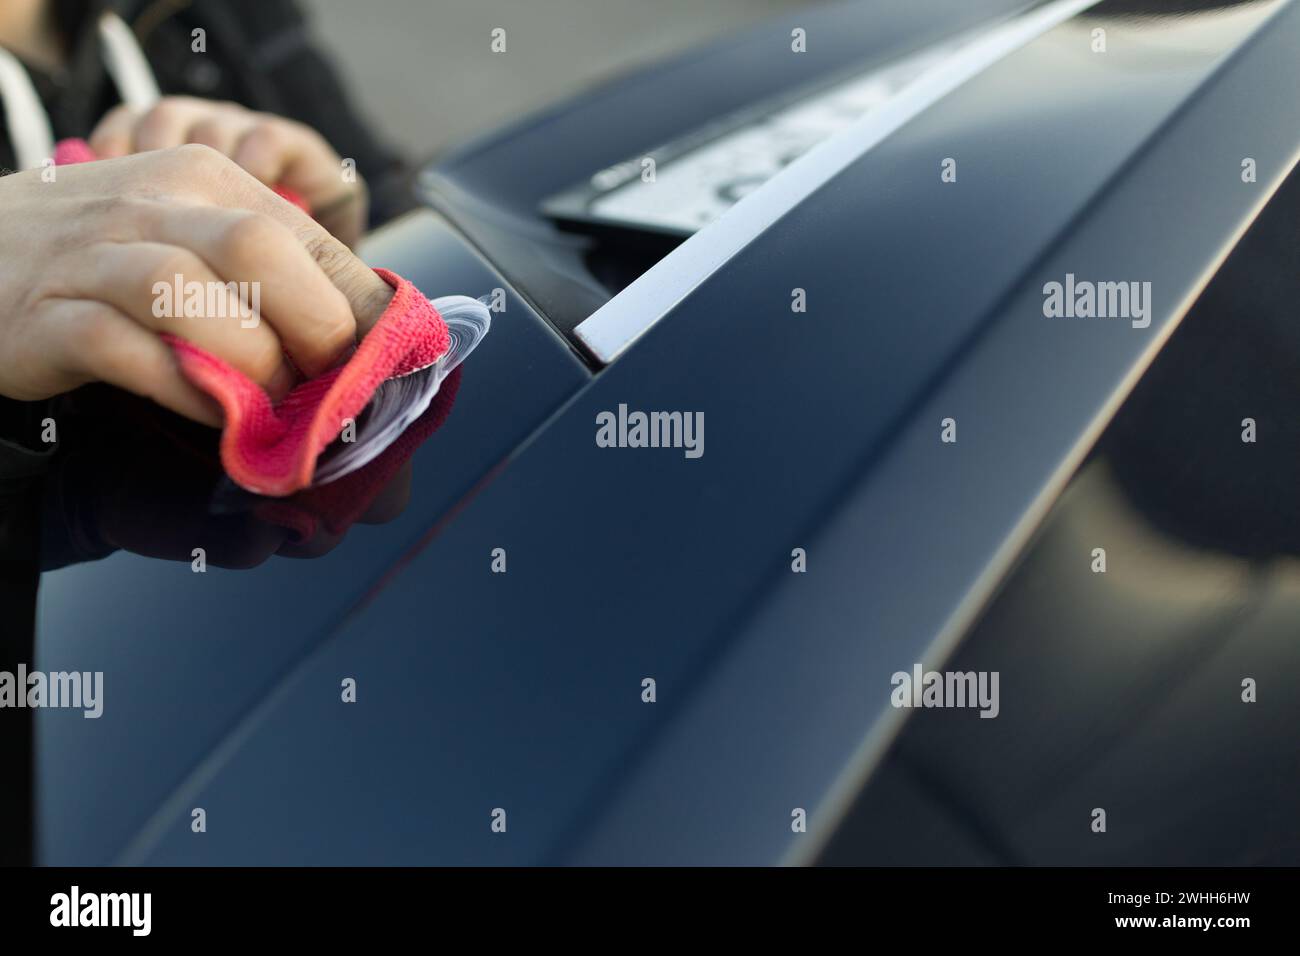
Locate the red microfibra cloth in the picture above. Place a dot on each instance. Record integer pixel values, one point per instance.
(272, 450)
(341, 503)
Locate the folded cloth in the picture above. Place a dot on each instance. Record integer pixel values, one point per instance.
(340, 504)
(272, 450)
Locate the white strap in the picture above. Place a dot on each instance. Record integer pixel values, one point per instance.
(127, 64)
(29, 127)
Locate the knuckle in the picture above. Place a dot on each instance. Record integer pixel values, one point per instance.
(199, 154)
(266, 132)
(190, 158)
(206, 128)
(198, 171)
(111, 122)
(249, 236)
(163, 112)
(174, 262)
(254, 229)
(330, 254)
(116, 113)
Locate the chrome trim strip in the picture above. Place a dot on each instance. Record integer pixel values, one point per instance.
(616, 325)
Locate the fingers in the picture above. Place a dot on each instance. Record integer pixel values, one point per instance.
(223, 133)
(267, 150)
(367, 295)
(283, 153)
(164, 126)
(112, 137)
(172, 122)
(311, 317)
(106, 345)
(207, 177)
(268, 147)
(166, 288)
(175, 199)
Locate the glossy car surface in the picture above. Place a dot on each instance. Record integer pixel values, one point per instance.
(523, 690)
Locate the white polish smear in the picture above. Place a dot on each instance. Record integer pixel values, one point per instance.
(400, 401)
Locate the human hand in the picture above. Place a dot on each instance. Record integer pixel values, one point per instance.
(275, 150)
(82, 257)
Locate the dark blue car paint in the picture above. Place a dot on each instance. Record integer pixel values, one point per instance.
(522, 691)
(187, 656)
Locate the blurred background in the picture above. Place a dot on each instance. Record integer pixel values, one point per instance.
(424, 74)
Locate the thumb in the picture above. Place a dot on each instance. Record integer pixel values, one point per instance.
(366, 292)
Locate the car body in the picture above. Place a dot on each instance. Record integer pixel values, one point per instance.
(479, 691)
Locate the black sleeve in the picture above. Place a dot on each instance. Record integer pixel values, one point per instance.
(24, 456)
(21, 470)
